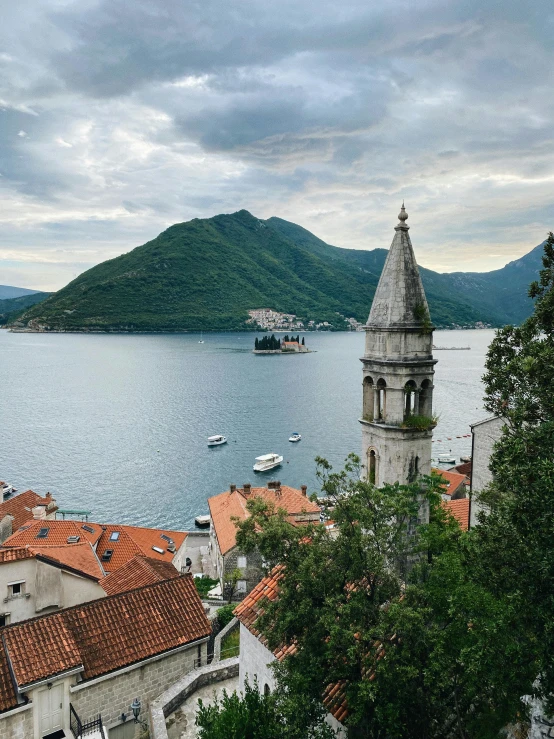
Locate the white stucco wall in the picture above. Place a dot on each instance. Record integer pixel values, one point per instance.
(52, 589)
(485, 435)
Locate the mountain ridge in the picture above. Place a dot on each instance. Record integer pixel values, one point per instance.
(205, 274)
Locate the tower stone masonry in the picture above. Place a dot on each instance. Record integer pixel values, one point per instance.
(398, 369)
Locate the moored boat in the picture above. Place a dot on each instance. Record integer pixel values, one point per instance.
(6, 489)
(295, 436)
(217, 440)
(202, 521)
(447, 459)
(267, 462)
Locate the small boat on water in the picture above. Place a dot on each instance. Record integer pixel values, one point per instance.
(6, 489)
(202, 521)
(295, 436)
(447, 459)
(201, 338)
(217, 440)
(267, 462)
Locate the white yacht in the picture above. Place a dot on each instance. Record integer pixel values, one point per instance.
(267, 462)
(295, 436)
(6, 489)
(216, 440)
(447, 459)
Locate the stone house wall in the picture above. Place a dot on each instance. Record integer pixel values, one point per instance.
(17, 726)
(111, 697)
(252, 573)
(485, 435)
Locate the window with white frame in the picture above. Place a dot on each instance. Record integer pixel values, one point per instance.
(241, 586)
(16, 589)
(241, 562)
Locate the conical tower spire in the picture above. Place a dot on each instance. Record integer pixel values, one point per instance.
(399, 300)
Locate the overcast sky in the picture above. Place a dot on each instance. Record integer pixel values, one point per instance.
(119, 118)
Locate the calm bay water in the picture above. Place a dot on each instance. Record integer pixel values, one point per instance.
(117, 424)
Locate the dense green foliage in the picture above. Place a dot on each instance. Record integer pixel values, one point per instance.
(204, 584)
(12, 308)
(207, 273)
(267, 343)
(256, 715)
(225, 615)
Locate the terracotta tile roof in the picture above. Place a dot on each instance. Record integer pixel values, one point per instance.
(21, 506)
(40, 648)
(463, 469)
(233, 504)
(8, 697)
(58, 533)
(135, 540)
(137, 572)
(80, 557)
(454, 480)
(106, 634)
(15, 554)
(132, 540)
(460, 510)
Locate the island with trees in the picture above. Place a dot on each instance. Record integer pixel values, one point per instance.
(288, 345)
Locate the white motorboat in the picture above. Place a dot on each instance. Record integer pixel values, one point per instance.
(202, 521)
(295, 436)
(216, 440)
(267, 462)
(7, 489)
(446, 459)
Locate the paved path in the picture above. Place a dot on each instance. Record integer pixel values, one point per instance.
(180, 723)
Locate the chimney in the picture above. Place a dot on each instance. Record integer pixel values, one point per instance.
(232, 488)
(278, 488)
(304, 490)
(271, 485)
(246, 488)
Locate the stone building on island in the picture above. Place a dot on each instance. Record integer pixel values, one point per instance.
(398, 368)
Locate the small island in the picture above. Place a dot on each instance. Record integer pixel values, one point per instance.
(271, 345)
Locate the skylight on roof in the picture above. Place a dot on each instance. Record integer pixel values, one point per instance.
(88, 528)
(114, 536)
(165, 537)
(107, 555)
(43, 533)
(158, 549)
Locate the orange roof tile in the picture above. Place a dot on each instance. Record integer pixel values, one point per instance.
(80, 557)
(137, 572)
(233, 504)
(135, 540)
(21, 506)
(8, 697)
(58, 533)
(460, 510)
(106, 634)
(454, 481)
(40, 648)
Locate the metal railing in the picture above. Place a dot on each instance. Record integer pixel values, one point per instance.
(80, 728)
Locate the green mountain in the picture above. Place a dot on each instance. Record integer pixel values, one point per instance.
(207, 273)
(11, 308)
(8, 291)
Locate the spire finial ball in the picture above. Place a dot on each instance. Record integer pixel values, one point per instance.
(402, 216)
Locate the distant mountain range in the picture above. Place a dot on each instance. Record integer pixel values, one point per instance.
(207, 273)
(12, 307)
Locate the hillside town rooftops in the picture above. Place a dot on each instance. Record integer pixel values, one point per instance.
(137, 572)
(454, 481)
(104, 635)
(114, 544)
(232, 504)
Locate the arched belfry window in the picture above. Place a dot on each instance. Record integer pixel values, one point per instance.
(380, 411)
(426, 398)
(371, 466)
(410, 399)
(368, 399)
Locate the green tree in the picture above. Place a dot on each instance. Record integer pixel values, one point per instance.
(230, 582)
(256, 343)
(516, 537)
(392, 610)
(256, 715)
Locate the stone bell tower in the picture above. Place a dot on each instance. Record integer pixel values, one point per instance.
(397, 426)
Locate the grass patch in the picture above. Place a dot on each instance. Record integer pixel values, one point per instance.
(230, 646)
(203, 584)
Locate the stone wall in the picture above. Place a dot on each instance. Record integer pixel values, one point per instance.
(255, 661)
(170, 700)
(113, 696)
(18, 726)
(252, 573)
(485, 435)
